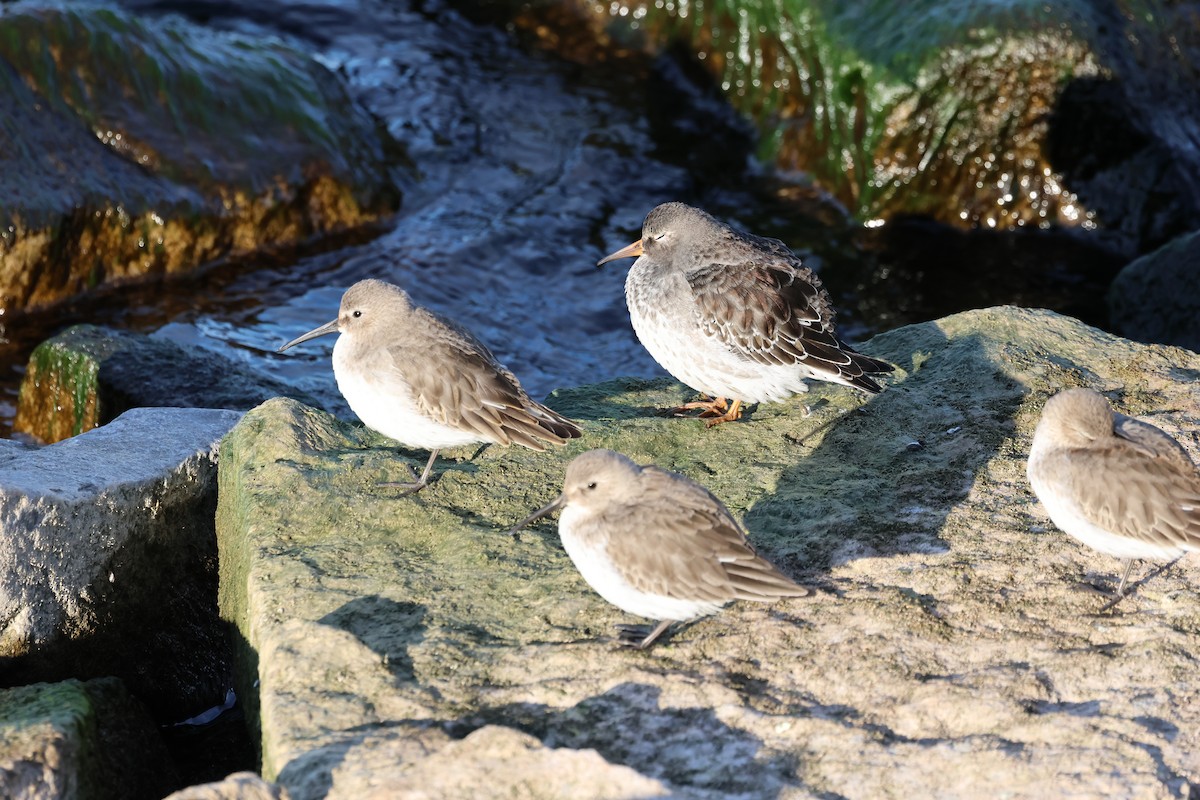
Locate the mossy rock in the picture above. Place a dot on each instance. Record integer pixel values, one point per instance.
(996, 115)
(135, 148)
(89, 375)
(953, 639)
(79, 739)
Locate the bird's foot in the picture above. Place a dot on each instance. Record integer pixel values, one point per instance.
(734, 413)
(640, 637)
(411, 487)
(1111, 604)
(714, 411)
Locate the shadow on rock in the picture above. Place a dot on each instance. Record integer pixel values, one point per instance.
(685, 747)
(385, 626)
(883, 477)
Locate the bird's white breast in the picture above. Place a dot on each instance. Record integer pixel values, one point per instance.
(666, 320)
(591, 558)
(384, 401)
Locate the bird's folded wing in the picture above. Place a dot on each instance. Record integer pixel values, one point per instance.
(775, 313)
(1122, 489)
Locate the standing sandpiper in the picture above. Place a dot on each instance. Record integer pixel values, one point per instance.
(1117, 484)
(425, 382)
(733, 315)
(657, 544)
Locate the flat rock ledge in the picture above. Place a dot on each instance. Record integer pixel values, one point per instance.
(953, 648)
(107, 559)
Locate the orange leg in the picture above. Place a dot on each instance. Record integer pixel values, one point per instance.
(735, 412)
(714, 411)
(712, 408)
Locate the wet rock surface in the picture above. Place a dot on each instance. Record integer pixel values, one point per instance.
(79, 739)
(108, 560)
(89, 375)
(953, 648)
(1157, 297)
(993, 115)
(136, 149)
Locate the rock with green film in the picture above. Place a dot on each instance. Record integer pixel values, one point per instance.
(994, 115)
(137, 148)
(79, 740)
(952, 646)
(89, 375)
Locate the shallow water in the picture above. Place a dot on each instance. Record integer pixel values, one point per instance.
(526, 169)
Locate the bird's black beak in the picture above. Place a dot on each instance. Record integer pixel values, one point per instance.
(328, 327)
(629, 251)
(558, 503)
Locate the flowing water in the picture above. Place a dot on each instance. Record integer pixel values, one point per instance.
(526, 168)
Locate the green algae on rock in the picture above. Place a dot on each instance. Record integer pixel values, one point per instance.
(952, 643)
(139, 148)
(87, 376)
(79, 739)
(954, 108)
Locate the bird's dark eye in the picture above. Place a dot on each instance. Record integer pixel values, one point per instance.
(592, 485)
(357, 314)
(661, 235)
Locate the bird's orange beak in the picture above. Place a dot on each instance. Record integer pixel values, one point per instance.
(628, 251)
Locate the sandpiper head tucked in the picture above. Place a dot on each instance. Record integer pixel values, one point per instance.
(1076, 418)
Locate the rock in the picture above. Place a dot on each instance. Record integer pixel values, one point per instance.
(491, 762)
(238, 786)
(88, 740)
(147, 148)
(954, 646)
(87, 376)
(1157, 297)
(991, 115)
(107, 559)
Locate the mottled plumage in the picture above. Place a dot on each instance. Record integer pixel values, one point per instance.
(425, 382)
(734, 315)
(1117, 484)
(657, 544)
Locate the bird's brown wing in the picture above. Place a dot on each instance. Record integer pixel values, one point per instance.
(458, 382)
(687, 545)
(1142, 485)
(775, 312)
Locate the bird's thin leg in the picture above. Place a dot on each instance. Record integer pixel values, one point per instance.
(1125, 576)
(419, 484)
(1120, 589)
(735, 412)
(632, 635)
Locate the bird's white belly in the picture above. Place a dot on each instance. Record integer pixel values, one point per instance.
(601, 574)
(707, 365)
(1066, 516)
(386, 404)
